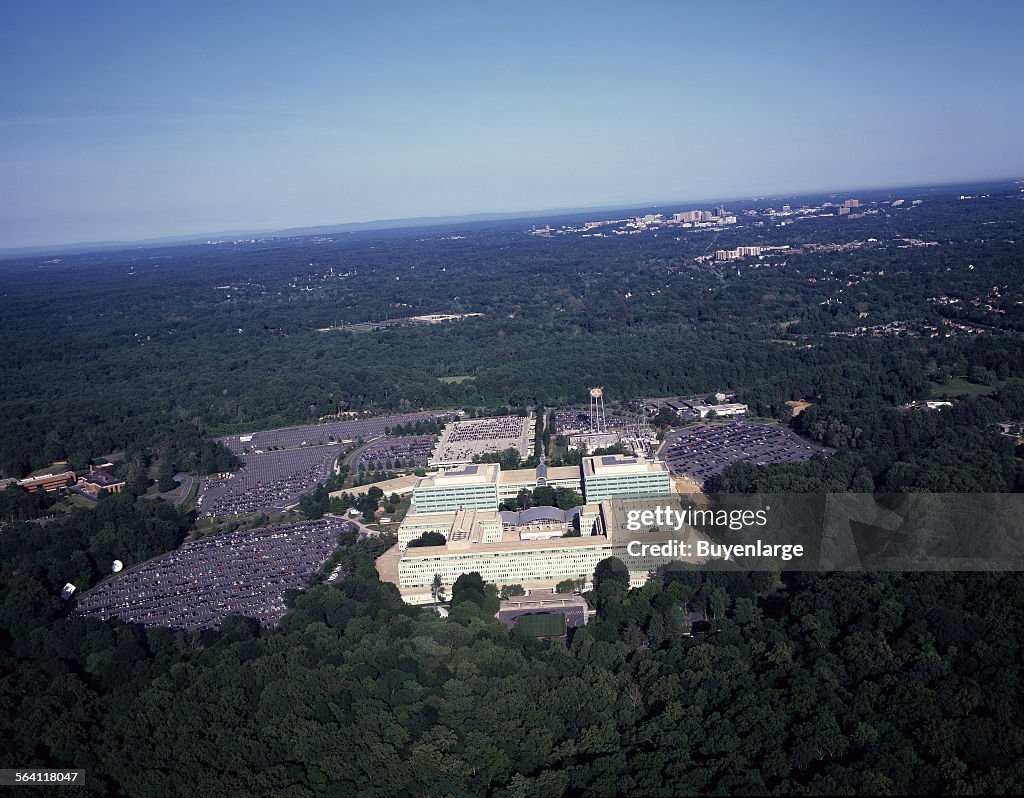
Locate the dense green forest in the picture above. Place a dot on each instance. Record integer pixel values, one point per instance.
(898, 451)
(800, 683)
(876, 684)
(157, 349)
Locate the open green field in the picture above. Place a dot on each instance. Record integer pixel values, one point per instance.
(958, 386)
(74, 500)
(456, 380)
(542, 624)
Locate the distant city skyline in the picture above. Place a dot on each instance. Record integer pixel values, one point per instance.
(125, 123)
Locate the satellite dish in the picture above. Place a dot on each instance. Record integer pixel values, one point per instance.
(116, 566)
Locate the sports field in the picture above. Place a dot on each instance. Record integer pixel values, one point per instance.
(542, 624)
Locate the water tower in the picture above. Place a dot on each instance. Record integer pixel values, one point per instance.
(597, 417)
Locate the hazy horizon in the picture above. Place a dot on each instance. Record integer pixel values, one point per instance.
(367, 225)
(123, 123)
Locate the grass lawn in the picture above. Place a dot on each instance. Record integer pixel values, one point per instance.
(958, 386)
(542, 624)
(70, 501)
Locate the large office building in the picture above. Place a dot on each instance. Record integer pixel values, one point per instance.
(416, 525)
(470, 486)
(483, 486)
(538, 563)
(511, 482)
(527, 551)
(437, 497)
(530, 550)
(507, 547)
(616, 476)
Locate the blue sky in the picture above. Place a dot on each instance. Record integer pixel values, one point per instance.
(132, 120)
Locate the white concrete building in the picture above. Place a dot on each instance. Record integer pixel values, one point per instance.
(617, 476)
(473, 486)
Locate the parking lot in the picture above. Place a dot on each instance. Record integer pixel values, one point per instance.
(461, 441)
(411, 451)
(267, 482)
(568, 422)
(194, 587)
(316, 434)
(701, 452)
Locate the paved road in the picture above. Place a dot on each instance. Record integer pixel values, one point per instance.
(361, 528)
(183, 490)
(347, 459)
(177, 496)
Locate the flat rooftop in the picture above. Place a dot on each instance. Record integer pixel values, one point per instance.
(519, 475)
(611, 465)
(543, 599)
(429, 519)
(467, 527)
(399, 485)
(563, 472)
(476, 474)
